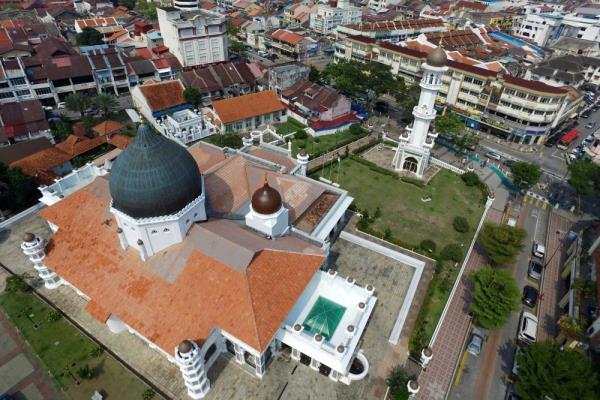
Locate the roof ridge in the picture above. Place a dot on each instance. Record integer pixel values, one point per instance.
(251, 297)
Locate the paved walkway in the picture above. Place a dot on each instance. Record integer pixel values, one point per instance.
(552, 286)
(21, 374)
(436, 380)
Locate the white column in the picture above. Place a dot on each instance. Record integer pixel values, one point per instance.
(191, 365)
(33, 247)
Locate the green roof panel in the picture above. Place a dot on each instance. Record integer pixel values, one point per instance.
(324, 317)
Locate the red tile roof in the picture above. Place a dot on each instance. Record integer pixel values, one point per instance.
(534, 85)
(250, 304)
(163, 95)
(286, 36)
(106, 127)
(248, 106)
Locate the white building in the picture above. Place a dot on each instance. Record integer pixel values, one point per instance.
(327, 18)
(150, 263)
(194, 37)
(162, 104)
(417, 141)
(539, 28)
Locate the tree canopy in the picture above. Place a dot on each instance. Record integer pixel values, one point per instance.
(495, 297)
(193, 96)
(77, 102)
(407, 98)
(89, 37)
(547, 372)
(524, 174)
(449, 124)
(17, 190)
(105, 103)
(236, 46)
(501, 242)
(585, 177)
(361, 80)
(314, 75)
(148, 8)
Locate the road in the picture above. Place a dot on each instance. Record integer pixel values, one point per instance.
(485, 376)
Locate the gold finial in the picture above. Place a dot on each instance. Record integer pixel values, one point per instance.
(441, 43)
(265, 180)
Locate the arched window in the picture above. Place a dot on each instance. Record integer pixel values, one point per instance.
(410, 164)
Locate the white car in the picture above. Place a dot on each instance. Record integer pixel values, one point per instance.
(61, 105)
(539, 250)
(493, 155)
(528, 325)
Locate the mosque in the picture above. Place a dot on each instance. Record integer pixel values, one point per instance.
(415, 144)
(202, 253)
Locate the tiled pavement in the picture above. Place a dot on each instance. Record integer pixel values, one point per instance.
(552, 286)
(435, 381)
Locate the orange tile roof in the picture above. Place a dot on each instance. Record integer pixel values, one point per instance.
(106, 127)
(93, 22)
(250, 304)
(248, 106)
(287, 36)
(117, 35)
(119, 141)
(43, 160)
(76, 145)
(163, 95)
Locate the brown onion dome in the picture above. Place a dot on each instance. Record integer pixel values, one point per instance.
(185, 346)
(28, 237)
(437, 57)
(266, 200)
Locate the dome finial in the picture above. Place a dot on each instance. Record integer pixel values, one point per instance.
(265, 180)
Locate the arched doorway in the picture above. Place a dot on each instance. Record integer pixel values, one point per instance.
(410, 164)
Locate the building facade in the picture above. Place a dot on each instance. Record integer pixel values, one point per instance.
(194, 37)
(327, 18)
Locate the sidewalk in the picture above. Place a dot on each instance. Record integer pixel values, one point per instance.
(436, 380)
(552, 287)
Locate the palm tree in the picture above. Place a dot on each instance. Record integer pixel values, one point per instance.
(77, 102)
(105, 103)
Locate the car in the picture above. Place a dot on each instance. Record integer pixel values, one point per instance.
(535, 270)
(528, 325)
(585, 115)
(476, 342)
(589, 140)
(262, 53)
(61, 105)
(508, 163)
(493, 155)
(552, 140)
(538, 250)
(530, 296)
(590, 125)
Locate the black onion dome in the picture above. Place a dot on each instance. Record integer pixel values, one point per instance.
(437, 57)
(266, 200)
(153, 176)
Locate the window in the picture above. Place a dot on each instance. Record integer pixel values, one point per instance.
(154, 232)
(7, 95)
(166, 230)
(18, 81)
(23, 93)
(43, 91)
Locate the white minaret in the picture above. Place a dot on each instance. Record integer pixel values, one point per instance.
(187, 354)
(417, 141)
(33, 247)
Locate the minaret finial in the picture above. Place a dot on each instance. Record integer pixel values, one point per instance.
(441, 43)
(265, 180)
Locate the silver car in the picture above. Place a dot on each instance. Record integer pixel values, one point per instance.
(476, 342)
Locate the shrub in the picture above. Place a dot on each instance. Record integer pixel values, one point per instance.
(96, 351)
(301, 134)
(428, 245)
(85, 372)
(148, 394)
(470, 178)
(356, 129)
(452, 252)
(397, 381)
(317, 140)
(413, 181)
(17, 283)
(387, 234)
(54, 316)
(377, 213)
(460, 224)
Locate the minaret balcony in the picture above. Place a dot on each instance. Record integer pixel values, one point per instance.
(420, 112)
(429, 143)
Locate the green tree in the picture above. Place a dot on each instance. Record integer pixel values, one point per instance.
(148, 8)
(460, 224)
(85, 372)
(236, 46)
(501, 242)
(130, 4)
(408, 99)
(524, 174)
(452, 252)
(449, 124)
(77, 102)
(17, 190)
(88, 37)
(428, 245)
(314, 75)
(232, 29)
(495, 297)
(105, 104)
(584, 178)
(547, 371)
(397, 381)
(193, 96)
(356, 79)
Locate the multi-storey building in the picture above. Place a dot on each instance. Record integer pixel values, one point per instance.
(567, 71)
(394, 31)
(539, 28)
(327, 18)
(109, 71)
(516, 109)
(283, 76)
(289, 43)
(194, 37)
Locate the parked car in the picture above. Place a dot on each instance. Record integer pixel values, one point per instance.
(476, 342)
(493, 155)
(539, 250)
(528, 325)
(585, 115)
(508, 163)
(530, 296)
(61, 105)
(535, 270)
(590, 125)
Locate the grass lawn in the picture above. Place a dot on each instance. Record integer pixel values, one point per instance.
(60, 345)
(291, 125)
(411, 221)
(322, 144)
(408, 218)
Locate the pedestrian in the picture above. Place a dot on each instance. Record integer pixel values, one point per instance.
(541, 296)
